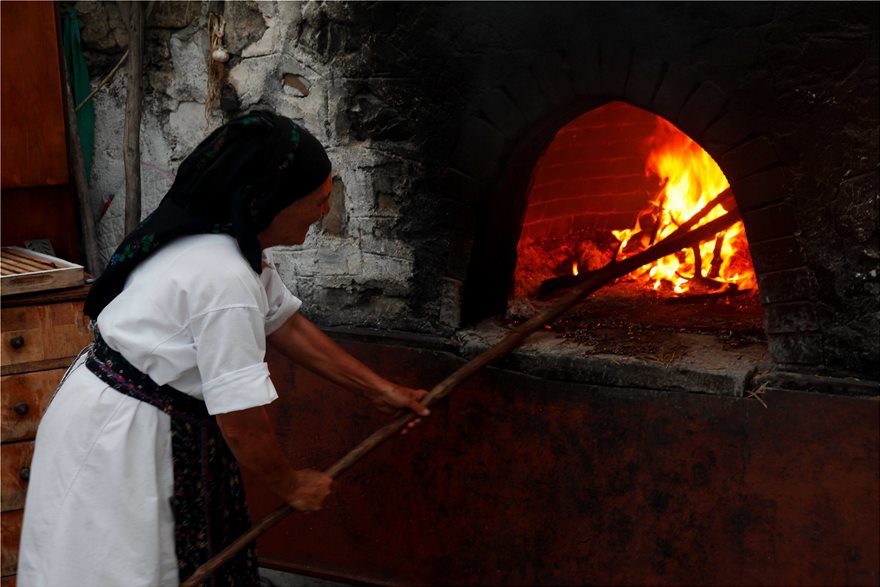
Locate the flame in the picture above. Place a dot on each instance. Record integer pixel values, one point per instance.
(689, 178)
(574, 268)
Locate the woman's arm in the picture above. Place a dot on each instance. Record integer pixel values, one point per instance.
(252, 440)
(303, 342)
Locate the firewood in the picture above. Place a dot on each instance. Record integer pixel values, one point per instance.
(554, 284)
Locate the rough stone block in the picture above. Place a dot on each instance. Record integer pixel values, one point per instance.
(584, 64)
(335, 222)
(550, 71)
(644, 73)
(460, 246)
(777, 255)
(457, 216)
(748, 158)
(245, 24)
(500, 110)
(704, 105)
(189, 121)
(479, 149)
(101, 26)
(460, 187)
(857, 208)
(190, 75)
(175, 15)
(796, 349)
(771, 222)
(725, 133)
(527, 93)
(336, 261)
(674, 90)
(614, 59)
(846, 358)
(759, 190)
(786, 286)
(791, 317)
(450, 303)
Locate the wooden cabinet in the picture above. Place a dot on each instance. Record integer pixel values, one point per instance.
(38, 196)
(40, 334)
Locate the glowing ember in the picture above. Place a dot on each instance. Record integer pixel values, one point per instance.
(689, 180)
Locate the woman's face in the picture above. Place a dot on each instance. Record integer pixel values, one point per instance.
(292, 224)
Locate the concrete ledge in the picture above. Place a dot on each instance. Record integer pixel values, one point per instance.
(793, 381)
(700, 364)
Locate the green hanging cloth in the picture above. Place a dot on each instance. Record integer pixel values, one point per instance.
(79, 82)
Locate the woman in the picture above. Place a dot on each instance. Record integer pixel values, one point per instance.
(132, 482)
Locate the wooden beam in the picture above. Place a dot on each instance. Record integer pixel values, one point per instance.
(133, 111)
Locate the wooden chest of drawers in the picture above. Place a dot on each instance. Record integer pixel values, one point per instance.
(41, 334)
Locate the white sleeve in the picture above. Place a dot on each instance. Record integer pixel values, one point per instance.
(230, 351)
(282, 303)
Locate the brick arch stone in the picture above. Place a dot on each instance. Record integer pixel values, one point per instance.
(541, 96)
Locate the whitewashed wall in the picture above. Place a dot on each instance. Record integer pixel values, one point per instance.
(344, 257)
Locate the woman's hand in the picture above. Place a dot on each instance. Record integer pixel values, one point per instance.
(309, 490)
(391, 398)
(302, 341)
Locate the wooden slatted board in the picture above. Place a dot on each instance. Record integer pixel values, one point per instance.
(27, 271)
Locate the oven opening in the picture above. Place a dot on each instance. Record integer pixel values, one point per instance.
(611, 183)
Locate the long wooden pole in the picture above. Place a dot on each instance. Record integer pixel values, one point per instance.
(78, 168)
(597, 280)
(133, 109)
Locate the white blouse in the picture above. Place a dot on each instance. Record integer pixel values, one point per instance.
(195, 316)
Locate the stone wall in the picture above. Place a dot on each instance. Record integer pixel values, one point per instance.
(354, 268)
(424, 105)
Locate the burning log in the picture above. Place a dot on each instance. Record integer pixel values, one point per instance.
(715, 267)
(555, 284)
(593, 281)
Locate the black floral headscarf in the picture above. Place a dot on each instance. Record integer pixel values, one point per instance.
(235, 182)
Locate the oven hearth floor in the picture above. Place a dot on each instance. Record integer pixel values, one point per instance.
(702, 344)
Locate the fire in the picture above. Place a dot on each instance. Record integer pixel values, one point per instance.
(689, 179)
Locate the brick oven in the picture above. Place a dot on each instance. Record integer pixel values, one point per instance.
(581, 461)
(700, 109)
(726, 436)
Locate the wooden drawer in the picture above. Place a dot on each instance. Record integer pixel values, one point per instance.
(10, 524)
(15, 462)
(42, 332)
(24, 400)
(7, 581)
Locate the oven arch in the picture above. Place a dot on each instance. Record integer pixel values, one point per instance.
(512, 124)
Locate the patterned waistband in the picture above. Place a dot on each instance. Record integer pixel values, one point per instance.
(115, 370)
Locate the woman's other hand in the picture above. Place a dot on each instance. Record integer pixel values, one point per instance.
(310, 489)
(252, 440)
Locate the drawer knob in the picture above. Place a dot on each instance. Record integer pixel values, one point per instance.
(16, 342)
(21, 409)
(25, 473)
